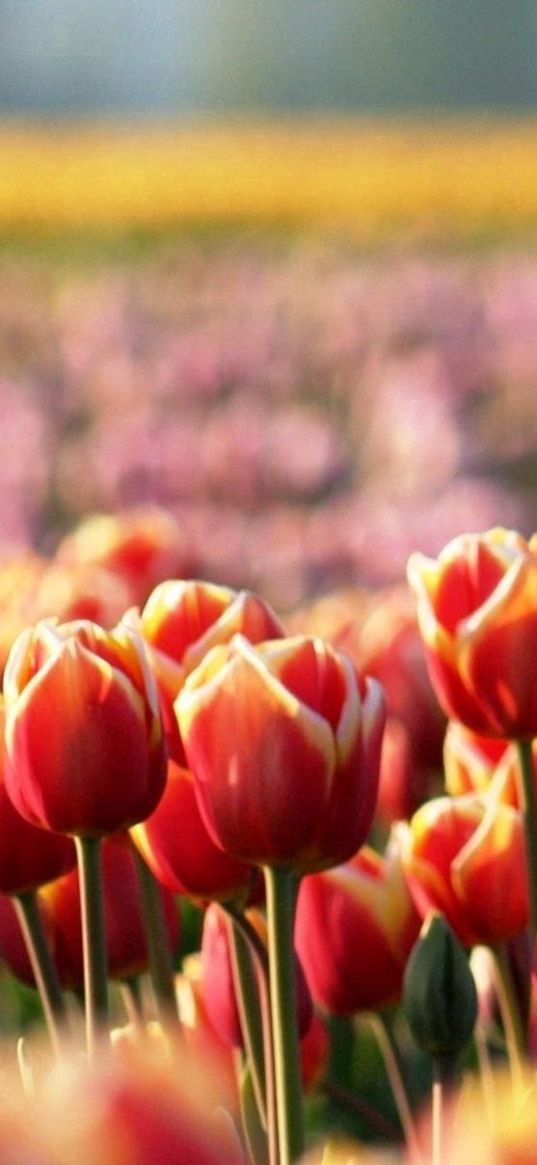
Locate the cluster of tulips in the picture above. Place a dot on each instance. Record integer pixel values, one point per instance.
(287, 781)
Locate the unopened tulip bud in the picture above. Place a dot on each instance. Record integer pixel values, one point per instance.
(440, 997)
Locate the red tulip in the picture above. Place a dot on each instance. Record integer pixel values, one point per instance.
(355, 927)
(477, 609)
(464, 856)
(182, 620)
(175, 843)
(84, 743)
(283, 741)
(141, 546)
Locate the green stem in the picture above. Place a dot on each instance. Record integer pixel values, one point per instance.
(258, 1038)
(281, 889)
(88, 850)
(390, 1056)
(513, 1026)
(45, 974)
(248, 1004)
(528, 800)
(160, 959)
(444, 1076)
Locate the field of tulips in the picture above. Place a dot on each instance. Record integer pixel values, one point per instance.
(268, 802)
(310, 415)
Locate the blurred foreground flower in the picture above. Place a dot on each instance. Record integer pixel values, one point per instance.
(132, 1105)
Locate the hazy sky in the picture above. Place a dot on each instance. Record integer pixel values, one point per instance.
(184, 55)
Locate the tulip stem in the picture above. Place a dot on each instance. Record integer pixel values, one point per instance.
(247, 953)
(281, 892)
(45, 973)
(160, 959)
(444, 1077)
(513, 1026)
(88, 851)
(528, 800)
(390, 1055)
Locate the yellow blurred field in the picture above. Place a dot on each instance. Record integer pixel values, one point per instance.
(370, 177)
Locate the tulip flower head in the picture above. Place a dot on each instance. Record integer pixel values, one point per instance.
(477, 610)
(464, 856)
(182, 620)
(355, 927)
(283, 740)
(85, 749)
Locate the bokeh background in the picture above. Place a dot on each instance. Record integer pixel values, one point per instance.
(271, 267)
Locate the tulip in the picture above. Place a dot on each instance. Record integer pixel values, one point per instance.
(477, 610)
(84, 743)
(355, 927)
(283, 741)
(464, 856)
(179, 851)
(141, 547)
(182, 620)
(440, 996)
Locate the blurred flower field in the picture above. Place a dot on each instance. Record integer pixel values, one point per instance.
(319, 357)
(308, 413)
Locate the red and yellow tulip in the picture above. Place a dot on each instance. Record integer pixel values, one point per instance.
(283, 740)
(85, 749)
(477, 610)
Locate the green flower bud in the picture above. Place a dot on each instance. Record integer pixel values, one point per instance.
(439, 992)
